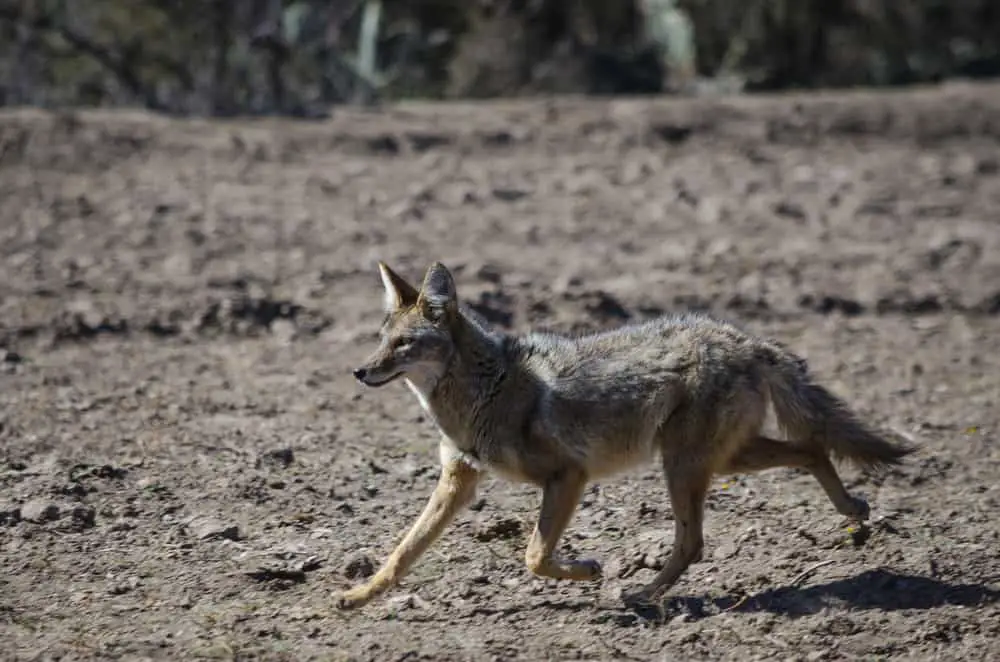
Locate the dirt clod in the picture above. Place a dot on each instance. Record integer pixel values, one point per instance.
(40, 511)
(210, 528)
(10, 514)
(279, 458)
(83, 517)
(360, 566)
(499, 528)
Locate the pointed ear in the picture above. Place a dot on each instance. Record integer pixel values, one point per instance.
(437, 294)
(398, 293)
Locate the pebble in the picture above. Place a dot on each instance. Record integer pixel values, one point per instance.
(359, 567)
(209, 528)
(10, 514)
(83, 516)
(504, 528)
(40, 511)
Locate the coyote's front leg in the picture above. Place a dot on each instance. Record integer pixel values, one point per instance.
(455, 489)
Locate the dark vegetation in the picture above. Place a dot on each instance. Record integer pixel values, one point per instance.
(300, 57)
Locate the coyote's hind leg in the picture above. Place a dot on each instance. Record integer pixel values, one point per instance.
(560, 498)
(761, 453)
(688, 490)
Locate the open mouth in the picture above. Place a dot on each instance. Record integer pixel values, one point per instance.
(370, 382)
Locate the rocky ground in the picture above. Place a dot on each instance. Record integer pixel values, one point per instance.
(189, 471)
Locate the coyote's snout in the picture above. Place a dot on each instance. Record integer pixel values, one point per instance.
(560, 412)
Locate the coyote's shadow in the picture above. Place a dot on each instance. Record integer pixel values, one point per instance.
(879, 589)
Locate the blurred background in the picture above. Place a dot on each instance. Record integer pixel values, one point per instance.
(301, 57)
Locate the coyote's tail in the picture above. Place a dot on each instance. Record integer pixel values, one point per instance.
(809, 413)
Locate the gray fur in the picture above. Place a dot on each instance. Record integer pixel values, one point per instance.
(558, 412)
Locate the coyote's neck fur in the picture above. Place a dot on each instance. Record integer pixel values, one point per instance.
(472, 378)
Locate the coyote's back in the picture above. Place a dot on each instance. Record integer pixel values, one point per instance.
(689, 386)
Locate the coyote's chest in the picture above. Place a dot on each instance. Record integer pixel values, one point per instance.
(447, 420)
(462, 439)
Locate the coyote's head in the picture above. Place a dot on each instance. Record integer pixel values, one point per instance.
(416, 338)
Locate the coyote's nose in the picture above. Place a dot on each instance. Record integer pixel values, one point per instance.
(359, 374)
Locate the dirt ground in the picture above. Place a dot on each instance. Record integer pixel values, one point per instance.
(190, 471)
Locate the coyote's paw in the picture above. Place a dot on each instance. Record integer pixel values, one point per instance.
(860, 510)
(352, 599)
(582, 570)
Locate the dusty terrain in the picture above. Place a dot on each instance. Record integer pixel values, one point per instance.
(187, 469)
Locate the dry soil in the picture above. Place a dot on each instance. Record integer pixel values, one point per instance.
(188, 470)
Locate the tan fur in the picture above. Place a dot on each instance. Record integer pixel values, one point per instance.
(561, 412)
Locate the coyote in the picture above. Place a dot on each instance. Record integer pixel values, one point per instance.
(558, 412)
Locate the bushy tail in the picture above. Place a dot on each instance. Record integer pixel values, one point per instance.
(808, 413)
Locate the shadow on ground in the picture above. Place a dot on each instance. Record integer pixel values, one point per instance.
(879, 589)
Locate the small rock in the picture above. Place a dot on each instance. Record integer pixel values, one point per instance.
(359, 567)
(267, 574)
(280, 458)
(82, 471)
(39, 511)
(988, 166)
(119, 589)
(75, 490)
(10, 514)
(83, 517)
(310, 563)
(604, 306)
(567, 283)
(509, 194)
(406, 601)
(711, 210)
(634, 172)
(790, 209)
(208, 528)
(618, 567)
(489, 273)
(123, 525)
(123, 586)
(726, 550)
(10, 356)
(283, 330)
(652, 561)
(504, 528)
(409, 469)
(859, 534)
